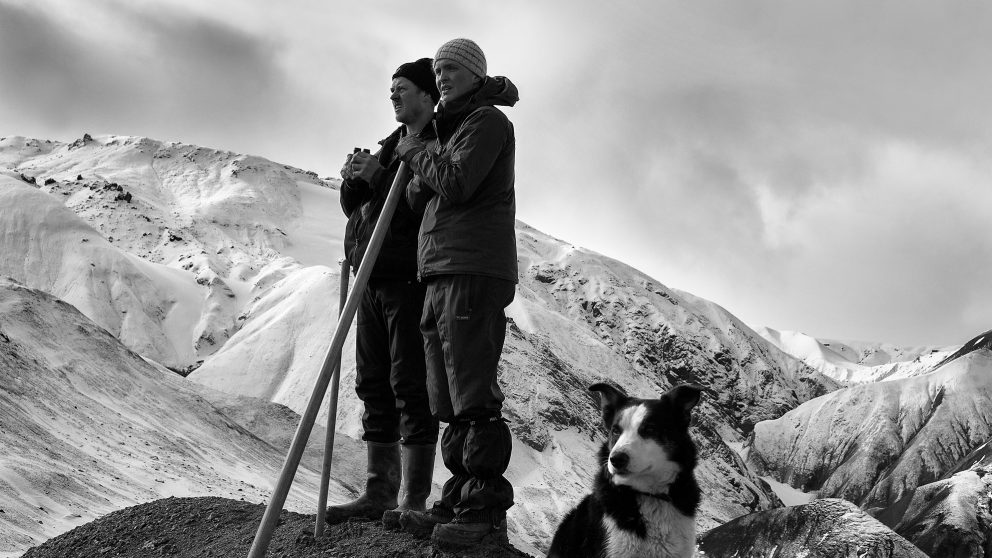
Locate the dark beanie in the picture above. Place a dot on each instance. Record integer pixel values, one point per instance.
(421, 73)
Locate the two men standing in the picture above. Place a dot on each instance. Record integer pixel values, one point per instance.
(463, 182)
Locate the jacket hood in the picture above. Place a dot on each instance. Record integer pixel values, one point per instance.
(494, 91)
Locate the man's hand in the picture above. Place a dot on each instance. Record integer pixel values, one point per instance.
(346, 168)
(363, 165)
(409, 146)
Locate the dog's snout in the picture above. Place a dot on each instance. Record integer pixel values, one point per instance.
(620, 460)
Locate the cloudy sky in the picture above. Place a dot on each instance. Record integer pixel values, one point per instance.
(823, 167)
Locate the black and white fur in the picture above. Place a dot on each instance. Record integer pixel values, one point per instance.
(644, 499)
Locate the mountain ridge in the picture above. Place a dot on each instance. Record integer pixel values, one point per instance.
(246, 251)
(852, 362)
(914, 452)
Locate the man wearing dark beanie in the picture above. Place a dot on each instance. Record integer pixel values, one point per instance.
(400, 430)
(421, 74)
(467, 258)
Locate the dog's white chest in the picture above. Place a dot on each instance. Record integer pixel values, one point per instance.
(670, 534)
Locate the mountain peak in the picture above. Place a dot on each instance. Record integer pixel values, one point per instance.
(981, 342)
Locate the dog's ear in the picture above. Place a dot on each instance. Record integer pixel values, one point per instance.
(684, 397)
(610, 397)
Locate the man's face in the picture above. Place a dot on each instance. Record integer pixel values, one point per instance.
(453, 79)
(408, 100)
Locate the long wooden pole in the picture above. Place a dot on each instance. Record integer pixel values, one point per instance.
(264, 534)
(332, 415)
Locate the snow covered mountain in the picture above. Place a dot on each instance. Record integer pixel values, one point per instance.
(828, 528)
(224, 267)
(852, 362)
(88, 427)
(160, 243)
(913, 451)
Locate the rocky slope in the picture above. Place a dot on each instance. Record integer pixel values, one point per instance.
(579, 318)
(218, 221)
(220, 527)
(89, 427)
(233, 260)
(821, 529)
(913, 451)
(950, 517)
(46, 246)
(885, 438)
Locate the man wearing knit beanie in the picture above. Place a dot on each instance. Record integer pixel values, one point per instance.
(467, 259)
(400, 431)
(421, 74)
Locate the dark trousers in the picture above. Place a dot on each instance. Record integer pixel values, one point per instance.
(391, 372)
(464, 326)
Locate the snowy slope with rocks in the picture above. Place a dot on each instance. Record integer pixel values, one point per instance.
(912, 451)
(225, 266)
(949, 517)
(827, 528)
(88, 427)
(578, 318)
(150, 307)
(214, 221)
(853, 362)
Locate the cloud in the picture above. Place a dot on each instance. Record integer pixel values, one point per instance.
(899, 68)
(757, 154)
(903, 252)
(744, 152)
(49, 74)
(220, 72)
(144, 69)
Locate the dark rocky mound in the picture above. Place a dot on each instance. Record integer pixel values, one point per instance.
(949, 518)
(827, 528)
(218, 527)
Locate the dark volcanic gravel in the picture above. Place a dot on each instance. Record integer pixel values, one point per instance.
(222, 528)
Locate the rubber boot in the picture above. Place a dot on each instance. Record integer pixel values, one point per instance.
(471, 529)
(422, 523)
(381, 487)
(418, 471)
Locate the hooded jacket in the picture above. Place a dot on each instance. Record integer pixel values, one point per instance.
(363, 202)
(467, 182)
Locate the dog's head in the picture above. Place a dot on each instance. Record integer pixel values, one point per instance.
(648, 440)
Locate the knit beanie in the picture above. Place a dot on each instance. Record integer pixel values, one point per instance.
(421, 73)
(466, 53)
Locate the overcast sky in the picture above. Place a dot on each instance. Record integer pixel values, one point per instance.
(823, 167)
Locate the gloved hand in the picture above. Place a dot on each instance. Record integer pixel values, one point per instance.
(409, 146)
(364, 166)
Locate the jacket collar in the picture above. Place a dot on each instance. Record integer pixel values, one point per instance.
(493, 91)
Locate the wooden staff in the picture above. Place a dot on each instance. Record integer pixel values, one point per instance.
(271, 517)
(332, 415)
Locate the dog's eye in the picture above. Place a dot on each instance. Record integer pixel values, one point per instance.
(616, 430)
(647, 430)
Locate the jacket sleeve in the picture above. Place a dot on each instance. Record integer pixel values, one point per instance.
(381, 181)
(417, 195)
(457, 173)
(353, 194)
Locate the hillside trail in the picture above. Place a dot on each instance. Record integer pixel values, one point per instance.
(212, 527)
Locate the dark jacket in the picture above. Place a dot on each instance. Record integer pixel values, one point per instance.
(363, 202)
(467, 182)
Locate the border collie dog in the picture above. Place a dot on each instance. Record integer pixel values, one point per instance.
(644, 500)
